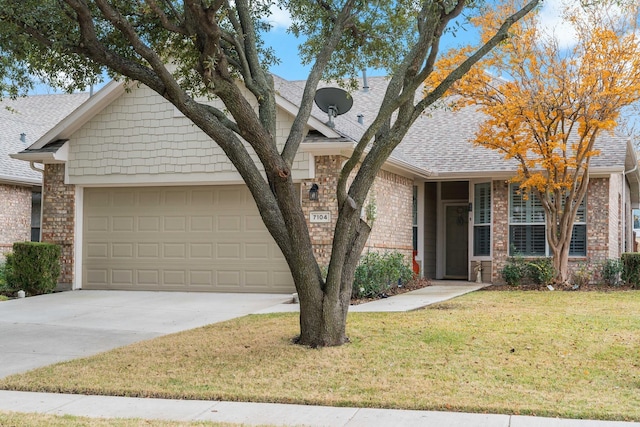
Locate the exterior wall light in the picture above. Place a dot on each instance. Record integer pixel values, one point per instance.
(313, 192)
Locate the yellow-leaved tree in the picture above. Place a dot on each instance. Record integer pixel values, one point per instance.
(547, 103)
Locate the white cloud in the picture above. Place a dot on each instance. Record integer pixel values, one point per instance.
(279, 18)
(551, 22)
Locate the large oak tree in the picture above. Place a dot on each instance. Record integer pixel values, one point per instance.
(186, 49)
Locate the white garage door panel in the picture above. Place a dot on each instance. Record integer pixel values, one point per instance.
(179, 238)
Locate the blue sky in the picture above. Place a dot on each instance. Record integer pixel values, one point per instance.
(290, 68)
(286, 48)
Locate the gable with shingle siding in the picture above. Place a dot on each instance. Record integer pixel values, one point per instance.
(141, 138)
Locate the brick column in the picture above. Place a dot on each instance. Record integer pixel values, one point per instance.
(58, 219)
(500, 238)
(327, 173)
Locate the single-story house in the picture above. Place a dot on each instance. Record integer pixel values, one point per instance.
(23, 121)
(139, 198)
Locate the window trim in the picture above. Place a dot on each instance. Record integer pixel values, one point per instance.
(472, 220)
(543, 223)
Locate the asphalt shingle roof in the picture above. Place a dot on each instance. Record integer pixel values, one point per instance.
(33, 116)
(440, 141)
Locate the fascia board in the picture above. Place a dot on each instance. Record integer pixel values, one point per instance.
(493, 175)
(402, 168)
(82, 114)
(593, 172)
(328, 148)
(346, 149)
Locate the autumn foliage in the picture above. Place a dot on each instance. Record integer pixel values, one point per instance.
(547, 103)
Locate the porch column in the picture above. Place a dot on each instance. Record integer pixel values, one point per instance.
(58, 219)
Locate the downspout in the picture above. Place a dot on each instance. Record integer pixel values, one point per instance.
(33, 166)
(624, 201)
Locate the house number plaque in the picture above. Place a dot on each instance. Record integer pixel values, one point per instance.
(319, 216)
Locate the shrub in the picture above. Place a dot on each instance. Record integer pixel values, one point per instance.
(4, 288)
(33, 267)
(377, 273)
(541, 271)
(7, 288)
(583, 274)
(514, 271)
(631, 269)
(611, 271)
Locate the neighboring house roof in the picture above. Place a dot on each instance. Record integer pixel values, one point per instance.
(32, 116)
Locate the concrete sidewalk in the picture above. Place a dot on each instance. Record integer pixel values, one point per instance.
(438, 291)
(267, 413)
(173, 316)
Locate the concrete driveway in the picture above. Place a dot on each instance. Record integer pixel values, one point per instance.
(46, 329)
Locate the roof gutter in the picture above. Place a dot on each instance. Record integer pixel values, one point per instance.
(8, 179)
(61, 155)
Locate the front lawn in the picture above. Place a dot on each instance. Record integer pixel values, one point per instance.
(15, 419)
(573, 355)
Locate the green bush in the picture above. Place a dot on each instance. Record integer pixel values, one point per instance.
(377, 273)
(4, 288)
(517, 270)
(541, 271)
(33, 267)
(631, 269)
(514, 271)
(611, 271)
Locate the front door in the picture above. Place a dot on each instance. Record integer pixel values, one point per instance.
(456, 242)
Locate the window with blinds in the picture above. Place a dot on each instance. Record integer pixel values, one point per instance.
(482, 219)
(527, 227)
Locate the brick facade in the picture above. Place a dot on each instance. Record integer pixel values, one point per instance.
(58, 218)
(15, 216)
(603, 224)
(392, 228)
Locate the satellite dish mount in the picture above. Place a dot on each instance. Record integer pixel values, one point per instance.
(334, 102)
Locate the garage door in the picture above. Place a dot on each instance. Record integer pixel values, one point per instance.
(179, 239)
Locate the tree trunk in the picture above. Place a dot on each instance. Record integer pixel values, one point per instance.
(323, 323)
(561, 262)
(323, 315)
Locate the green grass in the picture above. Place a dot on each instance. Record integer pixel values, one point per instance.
(572, 355)
(3, 298)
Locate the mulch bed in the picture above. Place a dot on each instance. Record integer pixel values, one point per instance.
(561, 287)
(411, 286)
(423, 283)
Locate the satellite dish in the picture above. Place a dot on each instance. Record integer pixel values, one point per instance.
(333, 101)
